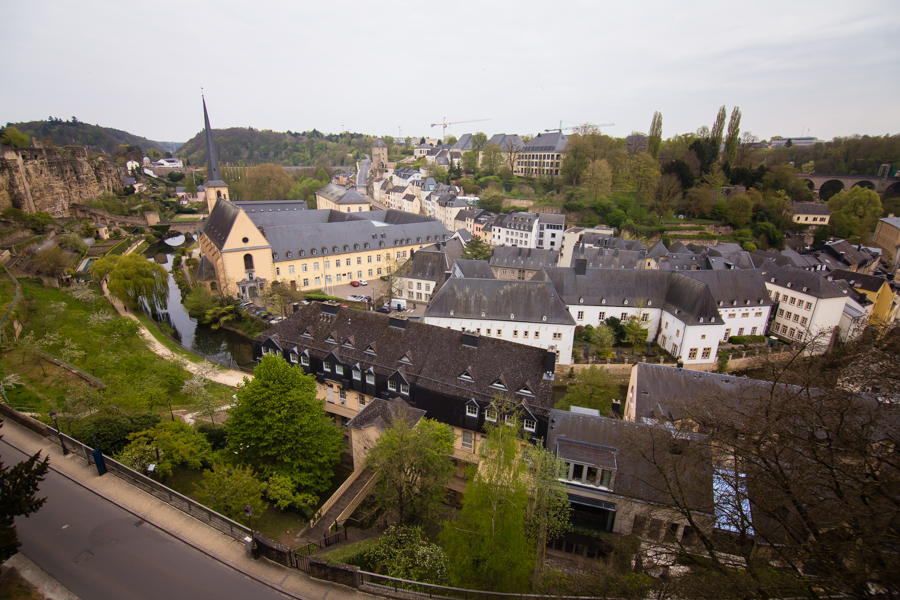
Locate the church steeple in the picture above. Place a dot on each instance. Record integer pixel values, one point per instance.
(212, 159)
(216, 189)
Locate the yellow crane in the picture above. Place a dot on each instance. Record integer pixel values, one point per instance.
(444, 124)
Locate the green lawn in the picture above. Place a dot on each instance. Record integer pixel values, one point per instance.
(121, 247)
(175, 347)
(342, 554)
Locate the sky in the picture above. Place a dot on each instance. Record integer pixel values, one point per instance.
(822, 68)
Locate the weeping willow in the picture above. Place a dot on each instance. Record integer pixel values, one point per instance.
(134, 280)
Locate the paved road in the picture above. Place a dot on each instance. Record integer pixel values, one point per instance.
(99, 551)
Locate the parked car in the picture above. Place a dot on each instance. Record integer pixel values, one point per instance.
(363, 282)
(383, 309)
(355, 283)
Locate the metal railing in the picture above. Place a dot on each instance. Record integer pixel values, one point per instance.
(167, 495)
(329, 540)
(383, 583)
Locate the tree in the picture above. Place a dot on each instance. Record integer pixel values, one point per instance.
(592, 388)
(18, 486)
(53, 259)
(740, 209)
(664, 192)
(265, 182)
(715, 134)
(655, 135)
(731, 140)
(512, 148)
(134, 280)
(227, 489)
(413, 460)
(167, 445)
(470, 161)
(479, 140)
(38, 221)
(392, 285)
(323, 177)
(199, 301)
(491, 158)
(644, 170)
(73, 242)
(405, 553)
(616, 218)
(491, 201)
(806, 471)
(477, 250)
(635, 332)
(197, 389)
(680, 169)
(487, 543)
(598, 178)
(13, 137)
(855, 212)
(278, 426)
(601, 337)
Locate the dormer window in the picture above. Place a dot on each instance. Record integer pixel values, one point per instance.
(289, 254)
(357, 374)
(405, 359)
(392, 385)
(465, 376)
(525, 391)
(471, 410)
(326, 366)
(370, 378)
(369, 350)
(498, 385)
(330, 339)
(306, 334)
(304, 360)
(347, 344)
(529, 425)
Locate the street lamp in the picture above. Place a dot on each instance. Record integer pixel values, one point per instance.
(59, 433)
(169, 400)
(248, 512)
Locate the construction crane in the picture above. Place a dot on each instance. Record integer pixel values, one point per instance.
(444, 124)
(561, 128)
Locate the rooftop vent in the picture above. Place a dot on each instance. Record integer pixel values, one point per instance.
(398, 322)
(470, 339)
(330, 308)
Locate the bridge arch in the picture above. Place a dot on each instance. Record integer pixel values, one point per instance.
(809, 183)
(892, 191)
(830, 188)
(864, 184)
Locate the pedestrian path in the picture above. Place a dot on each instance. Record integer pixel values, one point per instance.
(218, 374)
(323, 526)
(211, 542)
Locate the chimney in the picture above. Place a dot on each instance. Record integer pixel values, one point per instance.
(580, 266)
(680, 364)
(470, 339)
(296, 306)
(549, 362)
(398, 322)
(616, 408)
(330, 308)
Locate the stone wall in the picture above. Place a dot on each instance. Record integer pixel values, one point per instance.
(50, 179)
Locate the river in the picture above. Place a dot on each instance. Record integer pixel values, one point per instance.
(219, 345)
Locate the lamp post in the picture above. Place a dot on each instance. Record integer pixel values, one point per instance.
(248, 512)
(169, 401)
(59, 433)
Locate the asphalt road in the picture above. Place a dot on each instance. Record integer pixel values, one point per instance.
(100, 551)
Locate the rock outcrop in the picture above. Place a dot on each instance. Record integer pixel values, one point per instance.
(50, 179)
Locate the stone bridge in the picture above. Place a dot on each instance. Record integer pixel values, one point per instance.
(98, 215)
(873, 182)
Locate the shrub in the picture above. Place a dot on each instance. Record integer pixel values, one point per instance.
(111, 431)
(175, 176)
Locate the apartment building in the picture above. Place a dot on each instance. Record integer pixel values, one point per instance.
(542, 157)
(808, 306)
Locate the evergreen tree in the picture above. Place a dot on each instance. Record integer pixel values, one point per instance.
(731, 140)
(718, 129)
(18, 485)
(655, 137)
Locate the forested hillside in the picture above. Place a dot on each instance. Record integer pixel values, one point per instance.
(95, 138)
(253, 146)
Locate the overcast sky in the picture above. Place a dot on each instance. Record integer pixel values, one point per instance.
(821, 67)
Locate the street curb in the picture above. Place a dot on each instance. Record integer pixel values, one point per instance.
(162, 529)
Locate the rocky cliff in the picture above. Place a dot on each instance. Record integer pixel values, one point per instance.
(50, 179)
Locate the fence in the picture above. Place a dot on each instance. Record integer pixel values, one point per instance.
(167, 495)
(404, 588)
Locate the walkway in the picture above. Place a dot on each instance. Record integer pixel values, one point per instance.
(207, 540)
(217, 373)
(323, 526)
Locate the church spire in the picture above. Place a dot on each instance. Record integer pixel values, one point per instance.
(212, 159)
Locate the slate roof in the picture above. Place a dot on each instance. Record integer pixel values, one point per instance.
(128, 181)
(384, 413)
(870, 283)
(378, 143)
(218, 226)
(547, 142)
(268, 206)
(606, 258)
(499, 300)
(689, 299)
(735, 287)
(428, 266)
(656, 250)
(522, 221)
(611, 444)
(892, 221)
(205, 270)
(341, 195)
(473, 269)
(811, 208)
(806, 282)
(308, 233)
(212, 158)
(506, 141)
(464, 142)
(513, 257)
(845, 252)
(437, 355)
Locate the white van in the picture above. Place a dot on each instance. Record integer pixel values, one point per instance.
(398, 304)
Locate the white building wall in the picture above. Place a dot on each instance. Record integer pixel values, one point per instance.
(804, 316)
(744, 320)
(518, 332)
(679, 339)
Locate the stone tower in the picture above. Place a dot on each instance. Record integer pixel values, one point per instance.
(216, 189)
(379, 155)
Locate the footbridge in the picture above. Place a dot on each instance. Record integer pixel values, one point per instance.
(880, 185)
(99, 215)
